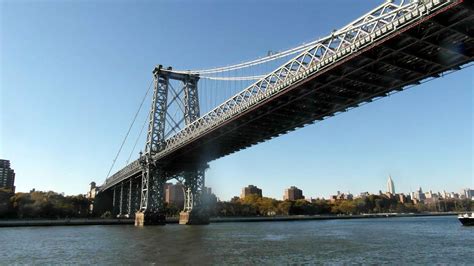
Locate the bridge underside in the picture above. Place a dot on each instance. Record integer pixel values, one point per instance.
(426, 48)
(436, 44)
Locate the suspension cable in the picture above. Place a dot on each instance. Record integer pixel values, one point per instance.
(364, 20)
(136, 141)
(129, 129)
(253, 62)
(233, 78)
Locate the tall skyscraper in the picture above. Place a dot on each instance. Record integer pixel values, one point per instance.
(7, 175)
(293, 193)
(390, 186)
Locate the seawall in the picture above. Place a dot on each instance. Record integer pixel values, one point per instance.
(173, 220)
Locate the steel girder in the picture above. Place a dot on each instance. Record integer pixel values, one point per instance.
(121, 200)
(193, 180)
(380, 22)
(116, 201)
(154, 178)
(155, 140)
(135, 186)
(194, 187)
(191, 99)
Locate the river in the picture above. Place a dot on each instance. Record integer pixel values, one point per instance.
(386, 240)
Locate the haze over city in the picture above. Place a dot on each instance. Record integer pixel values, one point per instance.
(64, 116)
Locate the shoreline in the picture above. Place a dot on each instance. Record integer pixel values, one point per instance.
(174, 220)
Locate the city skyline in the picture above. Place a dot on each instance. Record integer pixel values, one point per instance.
(407, 134)
(260, 191)
(390, 188)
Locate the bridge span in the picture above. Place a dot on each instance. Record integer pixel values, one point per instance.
(389, 49)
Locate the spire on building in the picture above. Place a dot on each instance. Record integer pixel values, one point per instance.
(390, 185)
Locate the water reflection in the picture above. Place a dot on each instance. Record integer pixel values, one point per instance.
(395, 240)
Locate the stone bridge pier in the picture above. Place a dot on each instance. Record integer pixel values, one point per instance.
(153, 210)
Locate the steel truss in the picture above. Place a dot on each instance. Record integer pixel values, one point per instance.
(194, 187)
(154, 178)
(387, 20)
(378, 23)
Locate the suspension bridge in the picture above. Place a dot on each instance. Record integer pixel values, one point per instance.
(197, 116)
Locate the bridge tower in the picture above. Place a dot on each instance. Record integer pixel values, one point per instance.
(154, 174)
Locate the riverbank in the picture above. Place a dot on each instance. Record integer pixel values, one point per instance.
(174, 220)
(323, 217)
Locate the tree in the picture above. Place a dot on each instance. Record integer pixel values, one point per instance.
(284, 207)
(6, 206)
(267, 206)
(38, 204)
(302, 207)
(345, 207)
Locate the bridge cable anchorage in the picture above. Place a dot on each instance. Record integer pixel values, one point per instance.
(129, 129)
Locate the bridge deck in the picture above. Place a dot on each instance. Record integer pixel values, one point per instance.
(431, 45)
(437, 44)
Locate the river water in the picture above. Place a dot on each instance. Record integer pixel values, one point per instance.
(385, 240)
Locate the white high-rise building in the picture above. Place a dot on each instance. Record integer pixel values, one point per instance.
(390, 185)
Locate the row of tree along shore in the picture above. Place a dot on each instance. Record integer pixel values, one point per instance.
(261, 206)
(52, 205)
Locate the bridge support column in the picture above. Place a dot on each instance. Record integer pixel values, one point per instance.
(124, 203)
(115, 202)
(152, 211)
(120, 200)
(134, 196)
(129, 203)
(195, 212)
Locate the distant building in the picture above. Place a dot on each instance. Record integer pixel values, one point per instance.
(7, 175)
(208, 198)
(207, 190)
(90, 195)
(251, 189)
(429, 195)
(402, 198)
(468, 193)
(341, 196)
(364, 195)
(92, 191)
(293, 193)
(446, 195)
(174, 194)
(419, 196)
(390, 186)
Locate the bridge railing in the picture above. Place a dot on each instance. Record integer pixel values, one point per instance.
(380, 22)
(125, 172)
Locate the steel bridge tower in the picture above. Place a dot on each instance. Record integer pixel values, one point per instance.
(154, 174)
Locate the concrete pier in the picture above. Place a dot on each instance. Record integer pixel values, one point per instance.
(193, 217)
(149, 218)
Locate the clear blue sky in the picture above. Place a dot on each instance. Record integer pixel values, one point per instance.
(73, 73)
